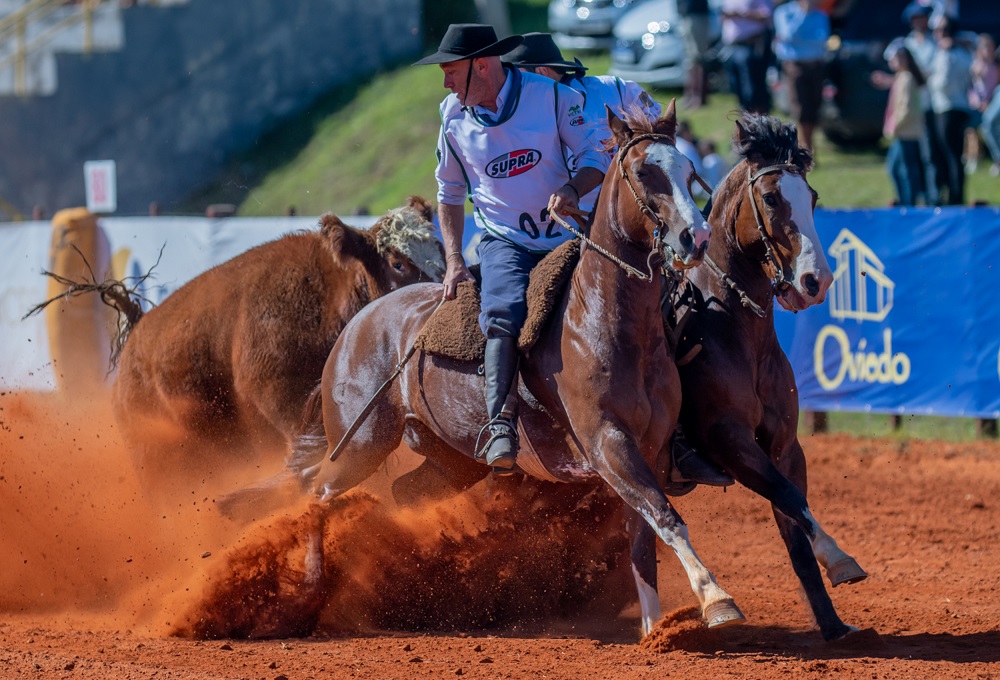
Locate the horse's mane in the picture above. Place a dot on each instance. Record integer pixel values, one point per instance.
(766, 140)
(635, 117)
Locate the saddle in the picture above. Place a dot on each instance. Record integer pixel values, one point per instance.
(453, 330)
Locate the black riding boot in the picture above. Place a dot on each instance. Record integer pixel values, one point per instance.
(687, 465)
(500, 367)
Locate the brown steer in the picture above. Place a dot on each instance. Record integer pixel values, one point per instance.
(218, 374)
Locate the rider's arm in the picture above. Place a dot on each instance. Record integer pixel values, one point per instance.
(452, 219)
(579, 136)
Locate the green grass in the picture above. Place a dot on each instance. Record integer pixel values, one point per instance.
(910, 427)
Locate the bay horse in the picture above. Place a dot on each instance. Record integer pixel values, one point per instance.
(740, 405)
(599, 392)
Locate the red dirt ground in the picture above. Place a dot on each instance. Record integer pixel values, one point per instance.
(501, 582)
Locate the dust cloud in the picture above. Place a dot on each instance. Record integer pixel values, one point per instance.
(79, 538)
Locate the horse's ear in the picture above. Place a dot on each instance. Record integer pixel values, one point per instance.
(666, 124)
(422, 206)
(619, 128)
(341, 238)
(739, 135)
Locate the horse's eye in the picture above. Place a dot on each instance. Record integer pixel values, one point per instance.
(770, 200)
(398, 266)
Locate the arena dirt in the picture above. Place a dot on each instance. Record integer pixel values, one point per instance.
(505, 581)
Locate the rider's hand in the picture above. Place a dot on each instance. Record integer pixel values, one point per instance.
(565, 201)
(455, 273)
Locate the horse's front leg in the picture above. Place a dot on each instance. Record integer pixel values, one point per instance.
(734, 445)
(642, 551)
(616, 458)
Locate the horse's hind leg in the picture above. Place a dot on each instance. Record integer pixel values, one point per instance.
(643, 554)
(806, 568)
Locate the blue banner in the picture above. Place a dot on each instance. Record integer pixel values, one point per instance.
(911, 323)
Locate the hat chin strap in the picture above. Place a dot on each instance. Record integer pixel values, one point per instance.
(468, 80)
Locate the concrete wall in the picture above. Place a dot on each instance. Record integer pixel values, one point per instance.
(193, 84)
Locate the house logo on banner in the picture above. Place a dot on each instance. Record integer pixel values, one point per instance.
(863, 292)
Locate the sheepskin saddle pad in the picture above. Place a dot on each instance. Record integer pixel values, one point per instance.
(453, 330)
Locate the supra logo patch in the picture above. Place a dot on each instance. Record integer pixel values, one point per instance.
(513, 163)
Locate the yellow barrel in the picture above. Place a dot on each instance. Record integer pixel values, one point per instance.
(80, 328)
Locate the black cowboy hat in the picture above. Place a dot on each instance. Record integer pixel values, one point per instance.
(469, 41)
(539, 49)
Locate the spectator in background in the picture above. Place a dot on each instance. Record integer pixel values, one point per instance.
(904, 125)
(715, 166)
(990, 127)
(985, 78)
(746, 51)
(922, 46)
(800, 35)
(949, 82)
(695, 18)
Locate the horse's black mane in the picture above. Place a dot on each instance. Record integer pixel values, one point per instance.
(768, 141)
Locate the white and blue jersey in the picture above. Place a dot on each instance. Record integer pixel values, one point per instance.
(509, 163)
(621, 96)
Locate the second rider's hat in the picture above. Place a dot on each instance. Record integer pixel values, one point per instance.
(539, 49)
(469, 41)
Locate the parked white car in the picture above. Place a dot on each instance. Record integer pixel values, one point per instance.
(586, 24)
(648, 45)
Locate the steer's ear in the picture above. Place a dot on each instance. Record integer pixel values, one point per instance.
(422, 206)
(342, 239)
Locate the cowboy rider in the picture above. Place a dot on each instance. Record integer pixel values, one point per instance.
(503, 142)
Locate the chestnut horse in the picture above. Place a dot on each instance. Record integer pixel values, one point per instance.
(599, 392)
(219, 372)
(740, 403)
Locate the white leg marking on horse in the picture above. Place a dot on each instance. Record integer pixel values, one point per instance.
(649, 602)
(702, 582)
(825, 549)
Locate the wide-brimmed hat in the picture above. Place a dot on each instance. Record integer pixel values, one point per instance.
(539, 49)
(469, 41)
(916, 9)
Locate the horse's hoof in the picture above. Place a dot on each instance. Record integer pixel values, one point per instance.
(846, 570)
(723, 613)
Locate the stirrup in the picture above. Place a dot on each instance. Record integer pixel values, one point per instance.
(499, 428)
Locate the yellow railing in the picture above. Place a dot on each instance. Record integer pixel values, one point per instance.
(14, 27)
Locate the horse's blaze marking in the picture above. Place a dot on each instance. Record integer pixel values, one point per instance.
(810, 258)
(513, 163)
(678, 169)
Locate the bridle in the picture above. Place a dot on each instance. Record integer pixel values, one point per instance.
(660, 248)
(779, 281)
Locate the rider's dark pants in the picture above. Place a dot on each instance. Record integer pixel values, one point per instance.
(505, 269)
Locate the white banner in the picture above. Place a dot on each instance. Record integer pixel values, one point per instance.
(189, 246)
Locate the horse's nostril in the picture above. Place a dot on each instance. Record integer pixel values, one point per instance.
(811, 284)
(687, 240)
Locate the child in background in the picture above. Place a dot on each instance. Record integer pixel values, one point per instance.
(904, 125)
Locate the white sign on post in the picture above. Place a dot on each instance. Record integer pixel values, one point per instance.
(100, 181)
